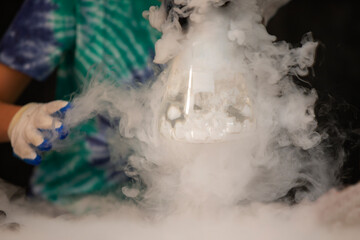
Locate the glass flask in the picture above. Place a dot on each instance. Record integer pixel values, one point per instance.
(205, 99)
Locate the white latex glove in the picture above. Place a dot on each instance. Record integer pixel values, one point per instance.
(33, 128)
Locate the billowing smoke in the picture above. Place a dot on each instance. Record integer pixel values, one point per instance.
(224, 123)
(222, 126)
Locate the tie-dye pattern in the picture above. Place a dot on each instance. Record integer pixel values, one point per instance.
(29, 45)
(73, 36)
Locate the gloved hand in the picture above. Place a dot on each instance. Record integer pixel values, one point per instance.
(33, 128)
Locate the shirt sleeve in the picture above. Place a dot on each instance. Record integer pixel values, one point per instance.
(38, 36)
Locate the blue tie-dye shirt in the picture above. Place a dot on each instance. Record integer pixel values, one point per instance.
(72, 36)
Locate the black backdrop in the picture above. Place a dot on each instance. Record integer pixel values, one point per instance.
(336, 73)
(334, 24)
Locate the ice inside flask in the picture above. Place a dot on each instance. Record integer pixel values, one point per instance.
(205, 102)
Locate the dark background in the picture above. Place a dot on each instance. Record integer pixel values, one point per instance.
(335, 75)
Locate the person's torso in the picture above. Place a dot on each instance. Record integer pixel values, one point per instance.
(112, 36)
